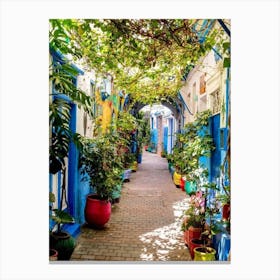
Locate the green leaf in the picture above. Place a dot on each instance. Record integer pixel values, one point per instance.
(226, 62)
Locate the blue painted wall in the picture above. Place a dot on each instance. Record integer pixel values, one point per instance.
(73, 176)
(165, 138)
(84, 190)
(154, 138)
(216, 154)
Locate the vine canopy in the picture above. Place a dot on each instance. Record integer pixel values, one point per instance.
(146, 57)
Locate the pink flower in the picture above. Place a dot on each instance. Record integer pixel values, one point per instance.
(198, 194)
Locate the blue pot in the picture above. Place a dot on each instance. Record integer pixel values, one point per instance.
(139, 158)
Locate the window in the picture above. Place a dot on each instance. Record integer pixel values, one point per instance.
(203, 103)
(202, 88)
(194, 98)
(215, 101)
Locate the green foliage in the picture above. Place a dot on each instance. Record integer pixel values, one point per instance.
(193, 143)
(143, 131)
(59, 216)
(100, 161)
(61, 80)
(226, 62)
(196, 221)
(146, 57)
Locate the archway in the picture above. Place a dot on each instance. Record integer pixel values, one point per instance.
(163, 128)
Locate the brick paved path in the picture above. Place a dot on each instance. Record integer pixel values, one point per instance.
(145, 225)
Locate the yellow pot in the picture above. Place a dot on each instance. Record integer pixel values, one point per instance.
(204, 254)
(177, 178)
(134, 166)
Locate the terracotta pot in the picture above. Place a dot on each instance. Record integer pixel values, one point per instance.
(97, 212)
(226, 211)
(194, 233)
(186, 237)
(53, 254)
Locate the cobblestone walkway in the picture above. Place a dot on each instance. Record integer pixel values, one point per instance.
(145, 225)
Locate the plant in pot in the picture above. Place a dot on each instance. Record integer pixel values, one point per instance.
(194, 219)
(206, 251)
(99, 160)
(61, 243)
(178, 164)
(142, 127)
(125, 128)
(197, 143)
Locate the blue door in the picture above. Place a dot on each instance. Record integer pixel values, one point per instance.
(215, 161)
(165, 138)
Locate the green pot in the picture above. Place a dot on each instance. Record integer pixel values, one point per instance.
(204, 254)
(63, 243)
(190, 187)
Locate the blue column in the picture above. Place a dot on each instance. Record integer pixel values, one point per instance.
(72, 165)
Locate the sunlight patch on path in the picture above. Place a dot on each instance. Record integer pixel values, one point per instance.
(166, 243)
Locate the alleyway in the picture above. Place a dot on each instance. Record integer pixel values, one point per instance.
(145, 225)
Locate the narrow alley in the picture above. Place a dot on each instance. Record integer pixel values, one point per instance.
(145, 225)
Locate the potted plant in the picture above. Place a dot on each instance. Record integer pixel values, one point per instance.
(193, 143)
(195, 219)
(100, 162)
(206, 251)
(53, 254)
(62, 243)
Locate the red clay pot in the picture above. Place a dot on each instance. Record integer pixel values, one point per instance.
(186, 237)
(194, 233)
(226, 211)
(182, 184)
(194, 243)
(53, 254)
(97, 212)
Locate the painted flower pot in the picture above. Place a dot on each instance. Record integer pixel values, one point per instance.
(172, 170)
(226, 211)
(97, 212)
(194, 233)
(204, 254)
(53, 254)
(139, 158)
(194, 243)
(134, 166)
(190, 187)
(169, 166)
(126, 175)
(116, 194)
(177, 179)
(63, 243)
(182, 183)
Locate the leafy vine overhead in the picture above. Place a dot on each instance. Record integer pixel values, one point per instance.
(146, 57)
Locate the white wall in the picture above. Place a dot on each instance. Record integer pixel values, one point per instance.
(84, 84)
(190, 91)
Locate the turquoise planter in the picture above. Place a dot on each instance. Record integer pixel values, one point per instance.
(117, 192)
(172, 170)
(190, 187)
(169, 166)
